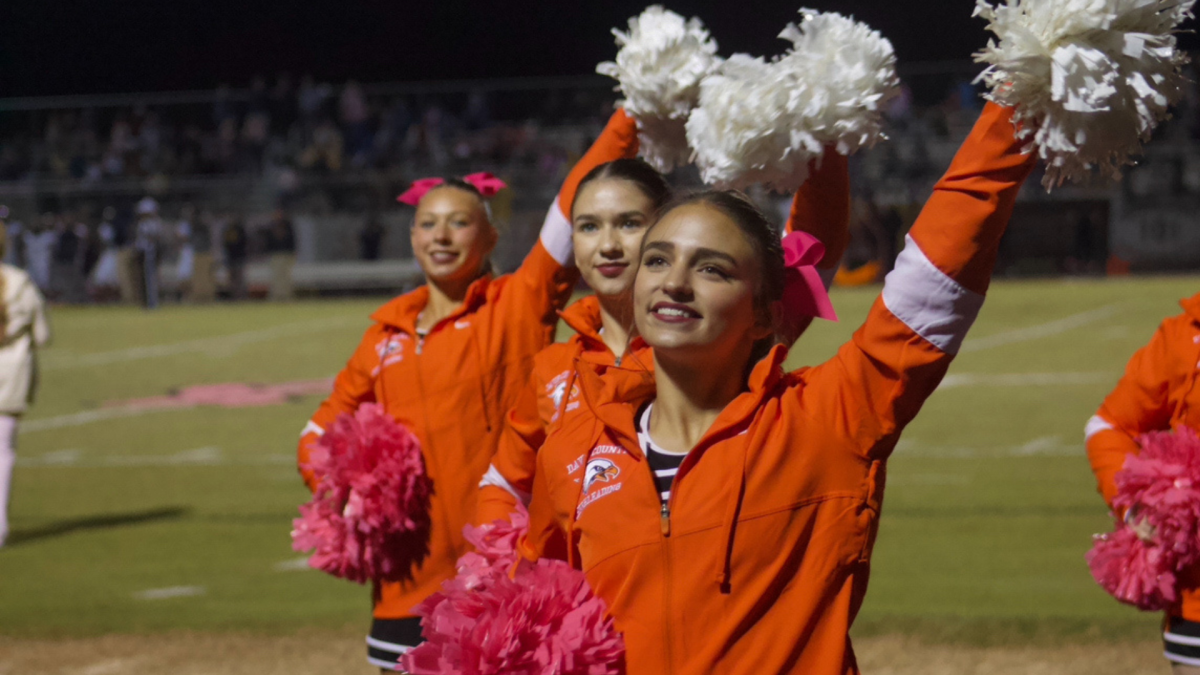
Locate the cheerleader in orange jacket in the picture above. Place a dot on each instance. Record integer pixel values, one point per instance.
(726, 510)
(614, 206)
(448, 359)
(1159, 391)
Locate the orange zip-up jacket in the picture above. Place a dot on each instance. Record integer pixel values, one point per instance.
(759, 561)
(821, 207)
(1159, 391)
(453, 387)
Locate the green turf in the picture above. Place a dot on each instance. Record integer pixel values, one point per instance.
(990, 503)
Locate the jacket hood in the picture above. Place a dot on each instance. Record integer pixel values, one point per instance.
(402, 312)
(1192, 306)
(607, 387)
(583, 317)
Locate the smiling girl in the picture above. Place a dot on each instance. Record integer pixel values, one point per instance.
(615, 205)
(448, 359)
(753, 557)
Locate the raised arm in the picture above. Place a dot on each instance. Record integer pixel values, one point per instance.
(821, 207)
(353, 386)
(545, 279)
(931, 298)
(1139, 404)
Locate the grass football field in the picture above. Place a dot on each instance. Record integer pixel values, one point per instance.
(151, 521)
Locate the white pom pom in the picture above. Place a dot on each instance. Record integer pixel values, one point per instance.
(743, 131)
(1089, 79)
(660, 65)
(764, 123)
(852, 69)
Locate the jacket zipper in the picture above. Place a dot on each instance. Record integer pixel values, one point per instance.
(665, 527)
(668, 573)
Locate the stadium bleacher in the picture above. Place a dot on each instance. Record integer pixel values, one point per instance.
(335, 156)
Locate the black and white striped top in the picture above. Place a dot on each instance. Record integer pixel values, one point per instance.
(663, 463)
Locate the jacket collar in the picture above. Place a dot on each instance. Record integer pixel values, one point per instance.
(1192, 306)
(614, 394)
(583, 317)
(402, 312)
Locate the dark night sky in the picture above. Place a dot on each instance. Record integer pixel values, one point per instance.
(50, 47)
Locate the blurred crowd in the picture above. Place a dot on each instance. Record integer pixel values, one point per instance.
(67, 168)
(317, 128)
(304, 126)
(148, 256)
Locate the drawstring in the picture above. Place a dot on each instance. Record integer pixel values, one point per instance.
(728, 529)
(391, 334)
(482, 380)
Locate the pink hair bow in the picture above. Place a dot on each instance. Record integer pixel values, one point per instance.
(487, 184)
(804, 293)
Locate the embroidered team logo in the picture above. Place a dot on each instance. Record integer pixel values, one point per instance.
(599, 471)
(390, 350)
(557, 395)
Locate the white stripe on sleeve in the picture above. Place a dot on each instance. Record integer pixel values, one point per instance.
(556, 235)
(311, 428)
(495, 478)
(1095, 426)
(928, 301)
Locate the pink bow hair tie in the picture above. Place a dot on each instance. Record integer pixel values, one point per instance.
(804, 293)
(487, 184)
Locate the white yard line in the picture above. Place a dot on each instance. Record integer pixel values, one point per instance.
(1040, 331)
(927, 479)
(169, 592)
(221, 345)
(111, 667)
(1044, 446)
(85, 417)
(205, 456)
(955, 380)
(293, 565)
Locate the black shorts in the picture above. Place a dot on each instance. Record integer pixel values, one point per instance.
(390, 638)
(1181, 641)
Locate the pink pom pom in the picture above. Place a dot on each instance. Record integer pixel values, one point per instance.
(369, 516)
(1160, 486)
(495, 549)
(543, 620)
(497, 541)
(1132, 571)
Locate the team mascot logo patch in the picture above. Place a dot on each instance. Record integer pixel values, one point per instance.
(599, 471)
